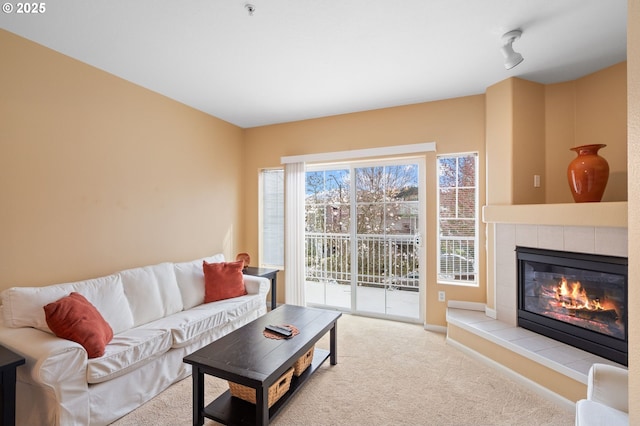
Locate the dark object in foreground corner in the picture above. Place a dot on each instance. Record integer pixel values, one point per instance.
(9, 362)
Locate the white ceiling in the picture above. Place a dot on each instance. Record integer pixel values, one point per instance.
(299, 59)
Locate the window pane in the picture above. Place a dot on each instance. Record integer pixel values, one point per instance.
(336, 183)
(467, 203)
(340, 219)
(327, 198)
(272, 230)
(447, 170)
(314, 218)
(447, 203)
(457, 218)
(401, 182)
(371, 219)
(457, 228)
(467, 172)
(370, 184)
(402, 218)
(315, 187)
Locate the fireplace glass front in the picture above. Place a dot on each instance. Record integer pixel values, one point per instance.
(579, 299)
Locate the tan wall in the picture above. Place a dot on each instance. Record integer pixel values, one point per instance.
(589, 110)
(456, 125)
(528, 141)
(633, 99)
(98, 175)
(499, 148)
(531, 128)
(601, 117)
(560, 128)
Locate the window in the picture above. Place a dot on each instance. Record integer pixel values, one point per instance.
(272, 217)
(457, 218)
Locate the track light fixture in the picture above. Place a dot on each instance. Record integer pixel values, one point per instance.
(511, 58)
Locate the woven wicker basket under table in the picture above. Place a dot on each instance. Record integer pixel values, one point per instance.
(303, 362)
(276, 390)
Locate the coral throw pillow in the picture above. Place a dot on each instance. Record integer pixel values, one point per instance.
(223, 280)
(74, 318)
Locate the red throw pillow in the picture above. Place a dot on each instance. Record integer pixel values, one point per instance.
(223, 280)
(74, 318)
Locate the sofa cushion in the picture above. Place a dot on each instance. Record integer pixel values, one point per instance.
(152, 292)
(109, 298)
(238, 307)
(187, 326)
(74, 318)
(190, 277)
(23, 305)
(223, 280)
(127, 351)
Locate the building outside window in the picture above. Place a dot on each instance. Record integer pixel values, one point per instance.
(458, 218)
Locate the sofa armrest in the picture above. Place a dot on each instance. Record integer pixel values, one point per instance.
(49, 360)
(257, 285)
(608, 384)
(55, 389)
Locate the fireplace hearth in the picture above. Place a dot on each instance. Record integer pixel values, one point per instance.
(576, 298)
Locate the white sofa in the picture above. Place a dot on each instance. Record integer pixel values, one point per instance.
(157, 316)
(607, 402)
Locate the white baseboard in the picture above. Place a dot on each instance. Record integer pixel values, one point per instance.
(561, 401)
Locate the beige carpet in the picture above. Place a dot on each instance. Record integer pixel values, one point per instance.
(388, 373)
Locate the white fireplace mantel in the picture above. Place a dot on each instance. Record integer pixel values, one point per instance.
(609, 214)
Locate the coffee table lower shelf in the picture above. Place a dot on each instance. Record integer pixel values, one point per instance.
(229, 410)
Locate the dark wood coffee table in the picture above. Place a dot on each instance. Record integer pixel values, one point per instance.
(246, 357)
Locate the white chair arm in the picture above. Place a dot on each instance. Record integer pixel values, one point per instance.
(609, 385)
(257, 285)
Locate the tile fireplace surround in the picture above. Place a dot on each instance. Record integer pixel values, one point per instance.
(499, 326)
(579, 239)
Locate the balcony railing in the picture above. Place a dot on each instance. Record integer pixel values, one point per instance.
(457, 256)
(383, 261)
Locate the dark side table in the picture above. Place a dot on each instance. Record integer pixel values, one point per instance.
(9, 362)
(271, 274)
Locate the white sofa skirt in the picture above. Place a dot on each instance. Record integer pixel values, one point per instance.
(103, 403)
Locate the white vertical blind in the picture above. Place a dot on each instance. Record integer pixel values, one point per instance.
(294, 263)
(272, 219)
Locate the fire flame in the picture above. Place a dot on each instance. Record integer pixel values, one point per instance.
(574, 296)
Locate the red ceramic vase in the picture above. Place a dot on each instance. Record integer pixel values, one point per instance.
(588, 174)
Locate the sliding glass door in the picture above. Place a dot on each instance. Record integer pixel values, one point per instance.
(363, 245)
(327, 237)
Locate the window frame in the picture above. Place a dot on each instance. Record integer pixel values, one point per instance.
(476, 218)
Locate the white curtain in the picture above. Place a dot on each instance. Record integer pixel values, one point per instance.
(294, 262)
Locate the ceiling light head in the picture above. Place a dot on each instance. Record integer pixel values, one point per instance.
(511, 58)
(250, 8)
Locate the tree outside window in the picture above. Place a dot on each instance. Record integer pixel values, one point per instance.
(457, 218)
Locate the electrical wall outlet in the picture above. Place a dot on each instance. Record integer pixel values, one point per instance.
(441, 296)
